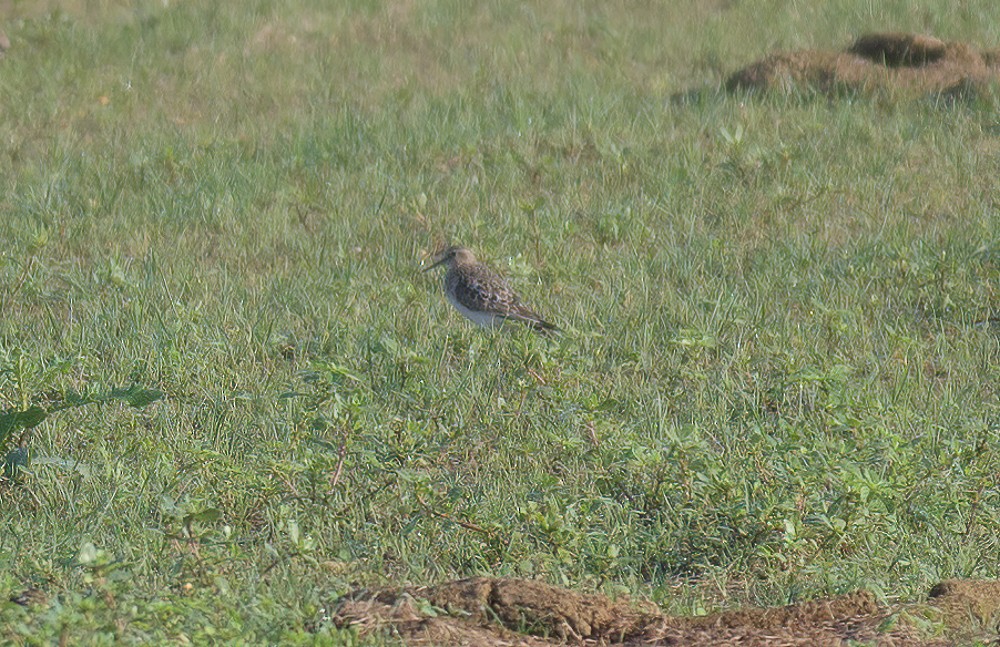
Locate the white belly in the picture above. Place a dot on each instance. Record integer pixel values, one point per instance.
(481, 319)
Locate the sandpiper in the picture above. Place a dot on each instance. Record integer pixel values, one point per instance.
(482, 295)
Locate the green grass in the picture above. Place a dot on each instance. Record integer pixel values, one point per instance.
(772, 384)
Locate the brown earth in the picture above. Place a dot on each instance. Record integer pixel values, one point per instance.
(491, 612)
(876, 62)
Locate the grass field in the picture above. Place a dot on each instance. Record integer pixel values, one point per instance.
(774, 382)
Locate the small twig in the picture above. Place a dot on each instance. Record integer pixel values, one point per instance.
(465, 524)
(341, 453)
(381, 202)
(538, 378)
(973, 509)
(520, 405)
(277, 560)
(284, 479)
(468, 525)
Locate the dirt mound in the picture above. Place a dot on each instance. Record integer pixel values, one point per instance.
(495, 612)
(881, 61)
(510, 606)
(896, 50)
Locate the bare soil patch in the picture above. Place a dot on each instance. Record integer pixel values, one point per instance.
(880, 61)
(494, 612)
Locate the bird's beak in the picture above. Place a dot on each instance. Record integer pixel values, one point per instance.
(428, 269)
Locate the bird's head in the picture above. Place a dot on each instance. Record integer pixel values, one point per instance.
(451, 256)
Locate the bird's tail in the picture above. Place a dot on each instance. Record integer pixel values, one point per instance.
(545, 328)
(535, 322)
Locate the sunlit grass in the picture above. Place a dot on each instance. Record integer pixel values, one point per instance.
(775, 381)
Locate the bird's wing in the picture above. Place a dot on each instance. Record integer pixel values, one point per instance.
(489, 292)
(486, 293)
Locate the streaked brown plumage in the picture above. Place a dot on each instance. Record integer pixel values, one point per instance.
(482, 295)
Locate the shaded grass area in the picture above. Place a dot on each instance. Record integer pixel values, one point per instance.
(779, 378)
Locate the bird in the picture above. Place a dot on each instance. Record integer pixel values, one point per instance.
(481, 295)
